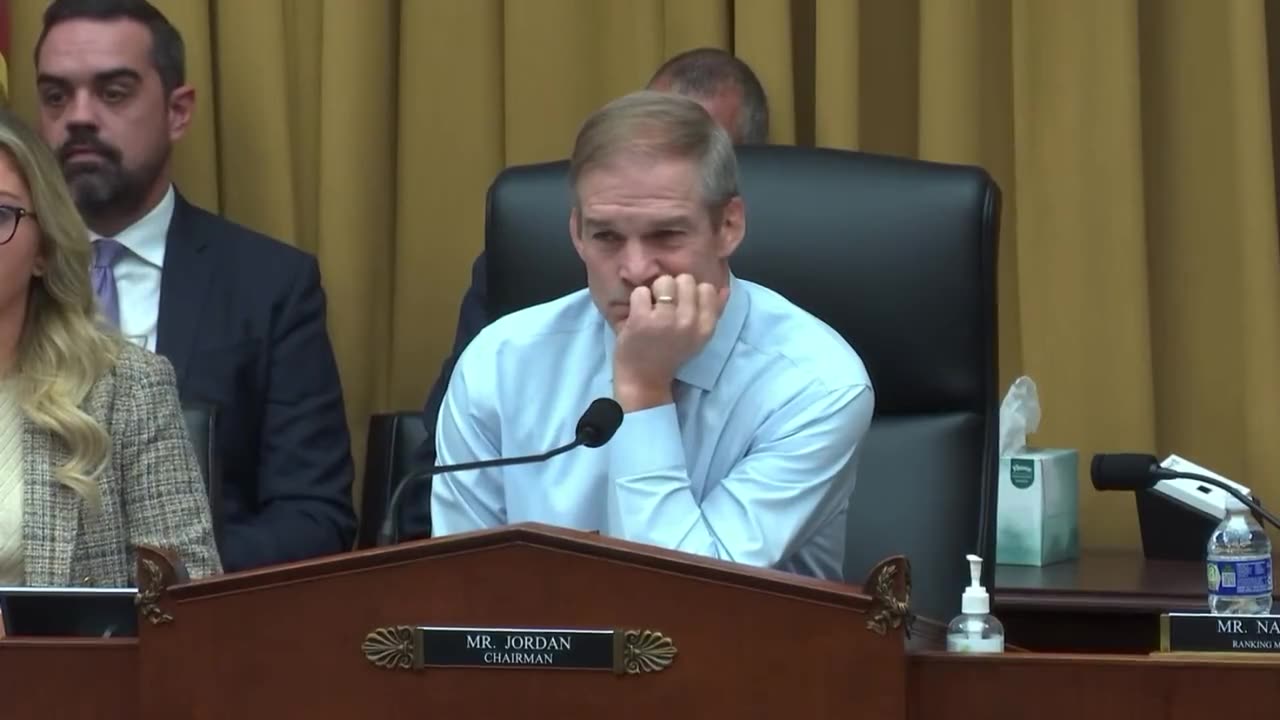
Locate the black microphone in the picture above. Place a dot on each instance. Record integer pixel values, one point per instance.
(595, 428)
(1131, 471)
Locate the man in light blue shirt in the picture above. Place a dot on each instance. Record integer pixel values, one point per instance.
(744, 414)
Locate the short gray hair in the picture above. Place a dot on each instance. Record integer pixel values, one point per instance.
(704, 72)
(659, 124)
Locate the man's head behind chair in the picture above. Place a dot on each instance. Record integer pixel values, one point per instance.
(724, 85)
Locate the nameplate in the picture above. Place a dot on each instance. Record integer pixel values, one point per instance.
(1203, 632)
(622, 652)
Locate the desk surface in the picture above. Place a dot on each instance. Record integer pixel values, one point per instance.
(1105, 602)
(1104, 581)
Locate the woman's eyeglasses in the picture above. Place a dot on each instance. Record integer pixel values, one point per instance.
(10, 216)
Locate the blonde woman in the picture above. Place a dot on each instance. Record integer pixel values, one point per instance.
(94, 455)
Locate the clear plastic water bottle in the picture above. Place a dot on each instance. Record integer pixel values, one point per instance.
(1239, 565)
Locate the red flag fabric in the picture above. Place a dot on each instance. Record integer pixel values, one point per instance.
(4, 51)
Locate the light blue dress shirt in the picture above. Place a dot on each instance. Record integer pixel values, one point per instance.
(753, 463)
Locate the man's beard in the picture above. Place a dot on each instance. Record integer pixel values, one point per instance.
(103, 187)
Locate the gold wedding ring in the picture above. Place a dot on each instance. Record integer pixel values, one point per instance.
(664, 299)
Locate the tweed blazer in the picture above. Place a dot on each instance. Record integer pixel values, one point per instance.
(152, 489)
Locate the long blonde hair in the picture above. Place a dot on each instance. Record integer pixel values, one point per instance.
(64, 347)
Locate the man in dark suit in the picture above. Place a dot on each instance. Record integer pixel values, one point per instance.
(240, 315)
(721, 83)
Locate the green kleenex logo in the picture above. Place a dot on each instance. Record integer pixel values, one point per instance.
(1022, 473)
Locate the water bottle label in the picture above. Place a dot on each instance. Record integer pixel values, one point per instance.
(961, 643)
(1240, 576)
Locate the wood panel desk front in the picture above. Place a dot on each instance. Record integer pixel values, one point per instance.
(1106, 602)
(68, 679)
(330, 638)
(83, 679)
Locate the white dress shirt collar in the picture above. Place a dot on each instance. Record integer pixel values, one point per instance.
(146, 237)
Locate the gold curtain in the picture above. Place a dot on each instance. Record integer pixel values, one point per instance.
(1139, 269)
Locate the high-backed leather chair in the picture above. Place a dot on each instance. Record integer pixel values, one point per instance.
(899, 256)
(390, 458)
(201, 421)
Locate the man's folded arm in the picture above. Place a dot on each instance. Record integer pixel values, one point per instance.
(795, 477)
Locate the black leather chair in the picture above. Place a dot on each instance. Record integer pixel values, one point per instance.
(390, 457)
(897, 255)
(202, 421)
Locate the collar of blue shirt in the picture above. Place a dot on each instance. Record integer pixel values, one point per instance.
(702, 370)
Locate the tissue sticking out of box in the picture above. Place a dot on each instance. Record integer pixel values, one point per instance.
(1019, 416)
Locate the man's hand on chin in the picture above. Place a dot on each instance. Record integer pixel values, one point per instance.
(666, 326)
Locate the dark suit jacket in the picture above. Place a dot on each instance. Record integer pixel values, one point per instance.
(242, 320)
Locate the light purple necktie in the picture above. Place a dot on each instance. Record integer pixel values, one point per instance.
(105, 254)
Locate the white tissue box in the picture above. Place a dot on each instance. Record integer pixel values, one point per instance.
(1036, 517)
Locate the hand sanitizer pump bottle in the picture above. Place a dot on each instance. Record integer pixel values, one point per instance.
(975, 629)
